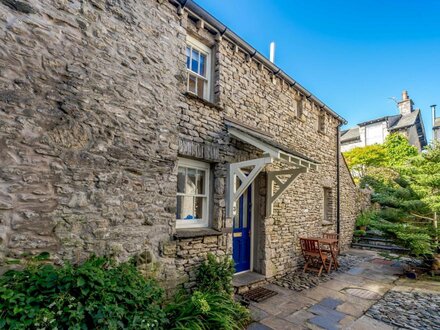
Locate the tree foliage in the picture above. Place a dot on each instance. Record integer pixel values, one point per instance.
(406, 185)
(398, 150)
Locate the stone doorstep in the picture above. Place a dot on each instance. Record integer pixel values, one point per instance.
(246, 281)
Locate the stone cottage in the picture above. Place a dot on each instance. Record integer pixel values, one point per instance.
(149, 129)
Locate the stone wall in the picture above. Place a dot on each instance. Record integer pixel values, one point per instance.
(93, 118)
(247, 92)
(89, 96)
(353, 201)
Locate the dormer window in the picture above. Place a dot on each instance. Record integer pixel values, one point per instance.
(198, 66)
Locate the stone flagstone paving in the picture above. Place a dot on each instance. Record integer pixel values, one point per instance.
(353, 299)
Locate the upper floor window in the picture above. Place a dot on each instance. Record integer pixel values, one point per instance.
(198, 65)
(192, 194)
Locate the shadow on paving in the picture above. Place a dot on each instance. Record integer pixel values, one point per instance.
(350, 299)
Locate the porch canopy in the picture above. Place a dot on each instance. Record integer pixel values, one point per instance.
(242, 174)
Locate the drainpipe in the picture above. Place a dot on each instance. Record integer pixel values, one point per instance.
(338, 181)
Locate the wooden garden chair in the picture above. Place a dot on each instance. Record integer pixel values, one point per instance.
(316, 259)
(335, 248)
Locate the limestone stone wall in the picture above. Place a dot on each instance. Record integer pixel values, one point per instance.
(93, 116)
(89, 97)
(247, 92)
(353, 201)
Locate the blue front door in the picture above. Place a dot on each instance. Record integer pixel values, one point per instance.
(241, 244)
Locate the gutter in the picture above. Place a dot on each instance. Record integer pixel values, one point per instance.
(225, 31)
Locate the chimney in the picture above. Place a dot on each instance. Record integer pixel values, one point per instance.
(406, 105)
(272, 52)
(433, 115)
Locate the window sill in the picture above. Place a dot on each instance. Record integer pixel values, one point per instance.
(326, 223)
(301, 119)
(201, 100)
(196, 232)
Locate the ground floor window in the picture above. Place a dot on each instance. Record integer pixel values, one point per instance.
(192, 194)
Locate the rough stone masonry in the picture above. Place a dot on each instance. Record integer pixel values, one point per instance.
(93, 117)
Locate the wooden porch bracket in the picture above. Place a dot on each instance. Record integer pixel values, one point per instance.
(273, 179)
(235, 171)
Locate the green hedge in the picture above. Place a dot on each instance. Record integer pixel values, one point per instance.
(100, 294)
(95, 295)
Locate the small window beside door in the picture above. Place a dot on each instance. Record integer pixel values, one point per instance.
(198, 67)
(192, 194)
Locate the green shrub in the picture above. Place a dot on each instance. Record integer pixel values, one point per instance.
(418, 243)
(365, 218)
(205, 311)
(392, 215)
(95, 295)
(215, 275)
(359, 233)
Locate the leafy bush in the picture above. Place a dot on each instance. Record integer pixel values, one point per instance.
(418, 243)
(359, 233)
(206, 310)
(215, 275)
(365, 218)
(392, 215)
(95, 295)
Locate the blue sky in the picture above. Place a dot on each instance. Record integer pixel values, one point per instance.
(353, 55)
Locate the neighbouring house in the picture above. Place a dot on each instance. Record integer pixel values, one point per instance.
(149, 129)
(408, 122)
(435, 124)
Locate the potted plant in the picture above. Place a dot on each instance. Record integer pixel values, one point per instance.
(364, 219)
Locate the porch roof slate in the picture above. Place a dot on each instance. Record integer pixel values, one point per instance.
(266, 139)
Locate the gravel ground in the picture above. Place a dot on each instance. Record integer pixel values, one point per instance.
(299, 281)
(408, 310)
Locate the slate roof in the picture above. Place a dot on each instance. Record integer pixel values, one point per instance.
(405, 120)
(351, 134)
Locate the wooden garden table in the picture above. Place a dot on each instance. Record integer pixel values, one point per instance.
(333, 247)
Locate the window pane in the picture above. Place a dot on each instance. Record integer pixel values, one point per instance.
(202, 65)
(200, 182)
(192, 83)
(188, 57)
(185, 208)
(195, 61)
(191, 181)
(200, 87)
(199, 207)
(181, 180)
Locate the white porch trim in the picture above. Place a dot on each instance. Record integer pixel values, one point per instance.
(235, 171)
(272, 180)
(271, 153)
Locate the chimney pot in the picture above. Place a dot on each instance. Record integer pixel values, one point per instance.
(405, 95)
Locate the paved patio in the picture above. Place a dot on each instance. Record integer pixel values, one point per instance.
(344, 302)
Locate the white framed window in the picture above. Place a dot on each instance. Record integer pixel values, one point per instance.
(192, 194)
(198, 67)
